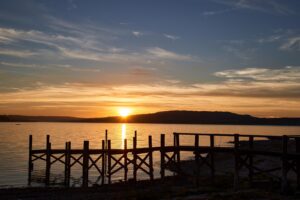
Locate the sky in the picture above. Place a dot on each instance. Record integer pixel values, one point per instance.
(89, 58)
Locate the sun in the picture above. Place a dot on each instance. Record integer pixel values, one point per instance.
(124, 112)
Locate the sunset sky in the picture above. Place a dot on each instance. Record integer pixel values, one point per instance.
(90, 58)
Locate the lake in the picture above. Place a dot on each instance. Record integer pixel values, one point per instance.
(14, 142)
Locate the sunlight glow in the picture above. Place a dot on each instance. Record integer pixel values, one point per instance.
(124, 112)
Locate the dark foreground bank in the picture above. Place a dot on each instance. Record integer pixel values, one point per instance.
(170, 188)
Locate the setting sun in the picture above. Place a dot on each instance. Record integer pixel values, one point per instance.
(124, 112)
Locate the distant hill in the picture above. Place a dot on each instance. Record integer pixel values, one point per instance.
(166, 117)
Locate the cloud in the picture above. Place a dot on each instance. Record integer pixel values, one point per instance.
(269, 6)
(142, 71)
(292, 43)
(165, 54)
(217, 12)
(249, 90)
(17, 53)
(171, 37)
(263, 74)
(137, 33)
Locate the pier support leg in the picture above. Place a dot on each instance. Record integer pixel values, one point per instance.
(212, 158)
(67, 164)
(134, 157)
(284, 181)
(85, 164)
(103, 163)
(298, 162)
(197, 157)
(48, 160)
(30, 164)
(150, 157)
(250, 175)
(109, 161)
(125, 160)
(236, 162)
(162, 156)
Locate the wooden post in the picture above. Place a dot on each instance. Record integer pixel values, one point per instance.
(197, 158)
(212, 157)
(67, 164)
(48, 160)
(30, 164)
(162, 156)
(178, 150)
(134, 161)
(85, 164)
(125, 160)
(284, 182)
(236, 162)
(150, 157)
(103, 163)
(105, 154)
(251, 142)
(297, 139)
(109, 162)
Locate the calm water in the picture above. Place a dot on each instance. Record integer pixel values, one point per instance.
(14, 142)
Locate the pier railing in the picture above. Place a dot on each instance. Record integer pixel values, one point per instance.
(108, 161)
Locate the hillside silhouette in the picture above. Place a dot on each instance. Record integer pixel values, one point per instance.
(165, 117)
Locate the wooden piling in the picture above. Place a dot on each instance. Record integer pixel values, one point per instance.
(125, 161)
(250, 155)
(48, 160)
(103, 163)
(284, 170)
(134, 160)
(162, 156)
(150, 157)
(197, 157)
(105, 155)
(176, 145)
(212, 157)
(30, 165)
(236, 162)
(85, 164)
(109, 161)
(67, 164)
(297, 140)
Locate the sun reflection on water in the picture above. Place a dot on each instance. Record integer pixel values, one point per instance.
(123, 135)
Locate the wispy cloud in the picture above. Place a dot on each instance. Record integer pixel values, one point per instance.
(269, 6)
(288, 73)
(292, 43)
(217, 12)
(17, 53)
(171, 37)
(287, 40)
(165, 54)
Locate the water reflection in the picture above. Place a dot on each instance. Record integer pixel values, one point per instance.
(123, 135)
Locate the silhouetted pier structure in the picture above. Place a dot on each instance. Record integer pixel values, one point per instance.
(108, 161)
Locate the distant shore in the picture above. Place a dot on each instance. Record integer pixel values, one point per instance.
(166, 117)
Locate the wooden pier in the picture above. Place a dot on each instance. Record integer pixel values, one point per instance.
(108, 161)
